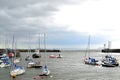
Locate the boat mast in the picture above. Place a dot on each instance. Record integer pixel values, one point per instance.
(105, 49)
(39, 44)
(13, 46)
(88, 48)
(89, 45)
(109, 46)
(29, 50)
(45, 49)
(12, 59)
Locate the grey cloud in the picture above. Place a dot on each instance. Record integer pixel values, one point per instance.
(10, 4)
(34, 16)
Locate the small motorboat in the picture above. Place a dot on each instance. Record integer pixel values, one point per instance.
(52, 56)
(59, 56)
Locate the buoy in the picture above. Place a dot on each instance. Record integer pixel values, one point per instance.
(41, 76)
(97, 64)
(52, 56)
(51, 76)
(34, 78)
(13, 75)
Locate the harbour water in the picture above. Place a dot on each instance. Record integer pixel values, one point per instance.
(70, 67)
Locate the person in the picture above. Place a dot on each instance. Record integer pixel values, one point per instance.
(59, 55)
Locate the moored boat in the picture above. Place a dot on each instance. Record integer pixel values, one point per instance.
(59, 56)
(109, 61)
(18, 70)
(52, 56)
(36, 54)
(89, 60)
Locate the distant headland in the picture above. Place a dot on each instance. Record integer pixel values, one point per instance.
(111, 50)
(33, 50)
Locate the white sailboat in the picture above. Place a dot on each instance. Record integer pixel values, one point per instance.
(38, 63)
(4, 62)
(45, 70)
(18, 70)
(4, 59)
(89, 60)
(30, 63)
(14, 68)
(37, 51)
(16, 59)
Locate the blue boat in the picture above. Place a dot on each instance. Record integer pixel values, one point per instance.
(88, 59)
(109, 61)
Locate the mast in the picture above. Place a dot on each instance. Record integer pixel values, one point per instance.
(45, 49)
(109, 46)
(13, 41)
(12, 58)
(13, 46)
(89, 45)
(105, 48)
(39, 44)
(88, 48)
(29, 50)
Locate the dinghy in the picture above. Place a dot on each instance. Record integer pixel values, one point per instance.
(59, 56)
(52, 56)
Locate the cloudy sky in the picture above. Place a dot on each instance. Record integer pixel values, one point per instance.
(67, 23)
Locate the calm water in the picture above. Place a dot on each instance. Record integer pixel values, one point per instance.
(70, 67)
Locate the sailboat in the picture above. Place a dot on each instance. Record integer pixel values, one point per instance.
(31, 62)
(38, 63)
(16, 57)
(36, 54)
(4, 62)
(18, 70)
(45, 70)
(88, 59)
(14, 68)
(4, 58)
(109, 61)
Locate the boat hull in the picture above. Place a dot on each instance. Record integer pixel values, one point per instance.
(110, 65)
(90, 63)
(17, 72)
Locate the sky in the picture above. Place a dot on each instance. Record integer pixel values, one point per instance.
(66, 23)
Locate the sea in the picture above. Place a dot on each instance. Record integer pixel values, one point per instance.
(69, 67)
